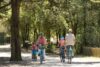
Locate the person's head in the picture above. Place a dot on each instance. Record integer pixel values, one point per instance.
(70, 30)
(33, 43)
(41, 34)
(61, 38)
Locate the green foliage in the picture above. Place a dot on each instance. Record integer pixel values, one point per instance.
(91, 51)
(51, 48)
(56, 16)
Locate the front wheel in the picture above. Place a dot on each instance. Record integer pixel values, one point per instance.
(41, 59)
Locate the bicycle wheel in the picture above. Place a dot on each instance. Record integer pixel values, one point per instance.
(70, 54)
(70, 60)
(41, 56)
(62, 55)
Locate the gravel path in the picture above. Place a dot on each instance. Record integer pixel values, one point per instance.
(51, 61)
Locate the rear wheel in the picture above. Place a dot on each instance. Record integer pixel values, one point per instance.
(69, 60)
(41, 56)
(62, 54)
(41, 59)
(70, 51)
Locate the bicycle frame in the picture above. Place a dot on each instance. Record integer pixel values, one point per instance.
(62, 54)
(41, 56)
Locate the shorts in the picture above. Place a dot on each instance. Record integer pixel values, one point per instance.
(34, 52)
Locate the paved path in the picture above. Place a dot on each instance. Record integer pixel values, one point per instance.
(51, 61)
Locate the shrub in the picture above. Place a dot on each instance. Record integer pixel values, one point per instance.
(51, 48)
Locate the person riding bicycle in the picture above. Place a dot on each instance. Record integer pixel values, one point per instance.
(42, 44)
(62, 48)
(69, 43)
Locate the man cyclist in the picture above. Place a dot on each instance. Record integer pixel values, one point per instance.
(69, 43)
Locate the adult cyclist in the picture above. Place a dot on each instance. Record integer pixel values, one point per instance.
(69, 43)
(41, 44)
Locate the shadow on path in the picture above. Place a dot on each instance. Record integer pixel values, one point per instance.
(52, 60)
(4, 49)
(5, 61)
(85, 62)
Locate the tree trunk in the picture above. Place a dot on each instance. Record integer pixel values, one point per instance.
(35, 35)
(25, 34)
(15, 44)
(57, 35)
(64, 32)
(48, 35)
(84, 19)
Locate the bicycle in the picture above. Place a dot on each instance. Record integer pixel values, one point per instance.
(41, 54)
(62, 54)
(70, 54)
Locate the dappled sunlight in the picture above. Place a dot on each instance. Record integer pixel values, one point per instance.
(95, 1)
(68, 30)
(5, 46)
(5, 54)
(86, 60)
(26, 54)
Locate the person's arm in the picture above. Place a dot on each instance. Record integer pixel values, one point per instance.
(65, 40)
(59, 43)
(45, 41)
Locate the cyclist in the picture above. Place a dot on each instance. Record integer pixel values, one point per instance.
(69, 42)
(62, 49)
(42, 44)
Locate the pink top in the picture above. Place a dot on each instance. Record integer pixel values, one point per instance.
(61, 42)
(34, 47)
(41, 40)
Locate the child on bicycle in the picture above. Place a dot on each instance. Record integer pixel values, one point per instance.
(62, 49)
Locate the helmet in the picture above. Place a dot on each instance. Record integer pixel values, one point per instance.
(62, 38)
(41, 33)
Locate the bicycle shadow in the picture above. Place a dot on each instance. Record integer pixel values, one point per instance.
(5, 61)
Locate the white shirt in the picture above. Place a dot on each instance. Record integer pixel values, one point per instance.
(69, 39)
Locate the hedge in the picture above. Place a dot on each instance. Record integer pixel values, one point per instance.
(91, 51)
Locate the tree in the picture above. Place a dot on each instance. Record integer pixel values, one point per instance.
(25, 22)
(2, 7)
(15, 42)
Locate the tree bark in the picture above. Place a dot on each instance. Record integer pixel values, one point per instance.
(48, 35)
(84, 20)
(15, 44)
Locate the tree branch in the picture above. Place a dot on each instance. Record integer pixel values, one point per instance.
(95, 1)
(5, 5)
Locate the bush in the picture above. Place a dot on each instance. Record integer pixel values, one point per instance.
(50, 48)
(78, 44)
(91, 51)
